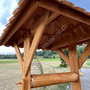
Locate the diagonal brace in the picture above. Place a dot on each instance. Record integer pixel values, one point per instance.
(84, 55)
(64, 57)
(19, 56)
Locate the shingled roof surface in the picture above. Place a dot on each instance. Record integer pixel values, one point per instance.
(75, 30)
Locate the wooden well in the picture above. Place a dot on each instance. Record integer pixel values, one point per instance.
(59, 22)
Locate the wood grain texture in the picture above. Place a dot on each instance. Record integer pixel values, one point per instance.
(60, 9)
(78, 39)
(19, 56)
(27, 43)
(53, 79)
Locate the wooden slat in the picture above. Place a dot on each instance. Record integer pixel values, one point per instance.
(29, 10)
(64, 57)
(51, 18)
(61, 9)
(81, 28)
(27, 43)
(79, 39)
(84, 55)
(37, 37)
(73, 62)
(19, 56)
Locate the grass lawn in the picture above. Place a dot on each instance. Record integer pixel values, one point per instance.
(46, 60)
(8, 61)
(88, 63)
(41, 59)
(88, 60)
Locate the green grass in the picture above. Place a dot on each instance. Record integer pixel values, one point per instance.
(8, 61)
(88, 60)
(88, 63)
(46, 60)
(40, 58)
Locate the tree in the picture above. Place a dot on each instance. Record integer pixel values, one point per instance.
(53, 57)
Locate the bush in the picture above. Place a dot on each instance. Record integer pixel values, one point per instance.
(63, 65)
(53, 57)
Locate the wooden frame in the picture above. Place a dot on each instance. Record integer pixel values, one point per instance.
(50, 12)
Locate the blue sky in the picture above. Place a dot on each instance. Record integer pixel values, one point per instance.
(8, 6)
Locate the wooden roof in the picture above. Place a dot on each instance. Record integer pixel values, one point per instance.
(26, 17)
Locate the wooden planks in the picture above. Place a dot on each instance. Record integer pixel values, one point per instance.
(78, 39)
(61, 9)
(64, 57)
(29, 10)
(74, 65)
(84, 55)
(19, 56)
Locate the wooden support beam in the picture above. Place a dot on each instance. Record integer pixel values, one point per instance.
(53, 79)
(53, 16)
(19, 56)
(84, 55)
(78, 39)
(74, 65)
(27, 43)
(64, 57)
(29, 10)
(20, 40)
(37, 37)
(64, 10)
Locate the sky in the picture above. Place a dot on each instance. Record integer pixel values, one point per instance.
(8, 6)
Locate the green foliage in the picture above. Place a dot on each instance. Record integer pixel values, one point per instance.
(8, 56)
(53, 57)
(88, 63)
(63, 65)
(35, 57)
(63, 86)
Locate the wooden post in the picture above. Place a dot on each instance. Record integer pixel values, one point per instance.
(27, 43)
(74, 65)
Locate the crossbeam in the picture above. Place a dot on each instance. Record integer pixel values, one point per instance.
(42, 80)
(63, 10)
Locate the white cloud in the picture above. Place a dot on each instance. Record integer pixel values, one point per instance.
(6, 9)
(8, 50)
